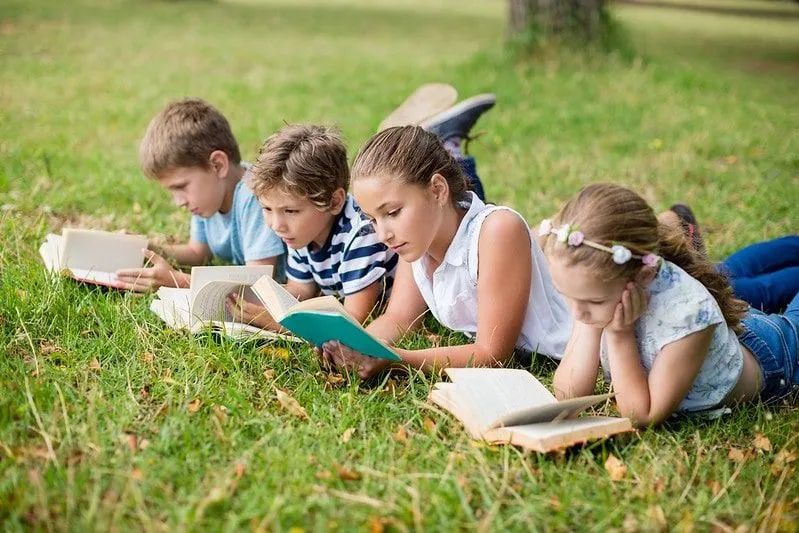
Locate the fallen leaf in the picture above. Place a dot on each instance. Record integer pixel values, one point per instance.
(731, 159)
(193, 406)
(144, 444)
(736, 454)
(276, 353)
(658, 485)
(658, 516)
(167, 377)
(347, 435)
(241, 467)
(783, 459)
(346, 474)
(762, 443)
(376, 524)
(94, 365)
(312, 460)
(47, 347)
(130, 439)
(402, 434)
(323, 474)
(334, 379)
(554, 502)
(148, 357)
(220, 412)
(137, 474)
(269, 374)
(714, 486)
(630, 524)
(429, 425)
(434, 339)
(291, 405)
(615, 468)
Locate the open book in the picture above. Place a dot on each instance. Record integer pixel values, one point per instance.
(318, 320)
(203, 304)
(510, 406)
(92, 256)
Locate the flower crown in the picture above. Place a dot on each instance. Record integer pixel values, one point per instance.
(573, 237)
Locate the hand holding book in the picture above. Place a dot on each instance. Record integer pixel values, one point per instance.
(156, 273)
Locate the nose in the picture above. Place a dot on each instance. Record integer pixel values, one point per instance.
(276, 222)
(383, 233)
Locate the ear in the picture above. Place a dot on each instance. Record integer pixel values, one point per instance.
(439, 188)
(337, 201)
(645, 276)
(219, 163)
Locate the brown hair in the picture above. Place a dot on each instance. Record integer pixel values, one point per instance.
(309, 161)
(610, 214)
(413, 155)
(183, 135)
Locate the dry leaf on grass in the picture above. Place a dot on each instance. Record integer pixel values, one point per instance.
(347, 435)
(137, 474)
(402, 434)
(429, 425)
(276, 353)
(616, 468)
(323, 474)
(241, 467)
(736, 454)
(291, 405)
(657, 516)
(47, 347)
(334, 379)
(269, 374)
(130, 439)
(376, 524)
(193, 406)
(761, 442)
(346, 474)
(95, 365)
(148, 357)
(783, 459)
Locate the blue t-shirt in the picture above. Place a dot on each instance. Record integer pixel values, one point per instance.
(241, 234)
(352, 258)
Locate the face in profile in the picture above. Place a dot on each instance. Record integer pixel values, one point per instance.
(406, 217)
(295, 219)
(197, 189)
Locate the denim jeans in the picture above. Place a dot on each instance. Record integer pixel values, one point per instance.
(774, 341)
(765, 275)
(469, 167)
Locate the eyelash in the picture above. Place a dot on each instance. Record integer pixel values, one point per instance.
(394, 213)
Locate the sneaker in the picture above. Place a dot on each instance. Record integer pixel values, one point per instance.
(690, 226)
(426, 101)
(458, 120)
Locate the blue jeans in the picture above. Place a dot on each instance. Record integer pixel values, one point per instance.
(774, 341)
(469, 167)
(766, 274)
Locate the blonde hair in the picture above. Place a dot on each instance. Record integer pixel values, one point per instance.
(413, 155)
(306, 160)
(183, 135)
(609, 215)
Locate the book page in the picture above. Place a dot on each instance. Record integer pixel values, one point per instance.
(550, 412)
(100, 251)
(243, 275)
(274, 297)
(50, 251)
(549, 436)
(172, 313)
(445, 395)
(491, 393)
(208, 303)
(108, 279)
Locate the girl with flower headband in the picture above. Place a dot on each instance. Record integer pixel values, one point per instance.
(661, 321)
(474, 266)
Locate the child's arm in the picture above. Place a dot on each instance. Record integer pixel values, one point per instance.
(651, 399)
(158, 273)
(193, 253)
(361, 304)
(576, 373)
(503, 289)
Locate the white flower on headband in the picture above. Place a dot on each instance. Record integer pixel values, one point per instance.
(650, 260)
(620, 254)
(576, 238)
(563, 233)
(545, 227)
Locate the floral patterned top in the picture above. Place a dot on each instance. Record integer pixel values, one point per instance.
(678, 306)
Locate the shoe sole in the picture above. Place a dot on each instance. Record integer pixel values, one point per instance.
(425, 102)
(475, 101)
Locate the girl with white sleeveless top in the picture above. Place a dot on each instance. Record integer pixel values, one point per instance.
(474, 266)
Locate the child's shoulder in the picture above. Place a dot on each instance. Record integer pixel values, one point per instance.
(680, 301)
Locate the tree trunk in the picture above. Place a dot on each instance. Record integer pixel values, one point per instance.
(552, 18)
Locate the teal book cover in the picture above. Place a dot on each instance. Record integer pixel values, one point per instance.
(318, 327)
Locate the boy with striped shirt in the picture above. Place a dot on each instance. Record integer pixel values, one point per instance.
(301, 179)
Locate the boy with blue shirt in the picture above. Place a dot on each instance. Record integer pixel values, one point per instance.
(301, 179)
(190, 149)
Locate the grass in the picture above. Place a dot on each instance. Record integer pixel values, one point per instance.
(110, 422)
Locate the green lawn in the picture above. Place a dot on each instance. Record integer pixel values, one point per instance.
(107, 421)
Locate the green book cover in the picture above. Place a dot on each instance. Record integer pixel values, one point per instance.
(318, 327)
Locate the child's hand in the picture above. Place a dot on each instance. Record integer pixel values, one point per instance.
(634, 301)
(343, 358)
(244, 311)
(159, 273)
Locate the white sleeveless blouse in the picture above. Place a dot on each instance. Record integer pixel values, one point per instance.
(451, 293)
